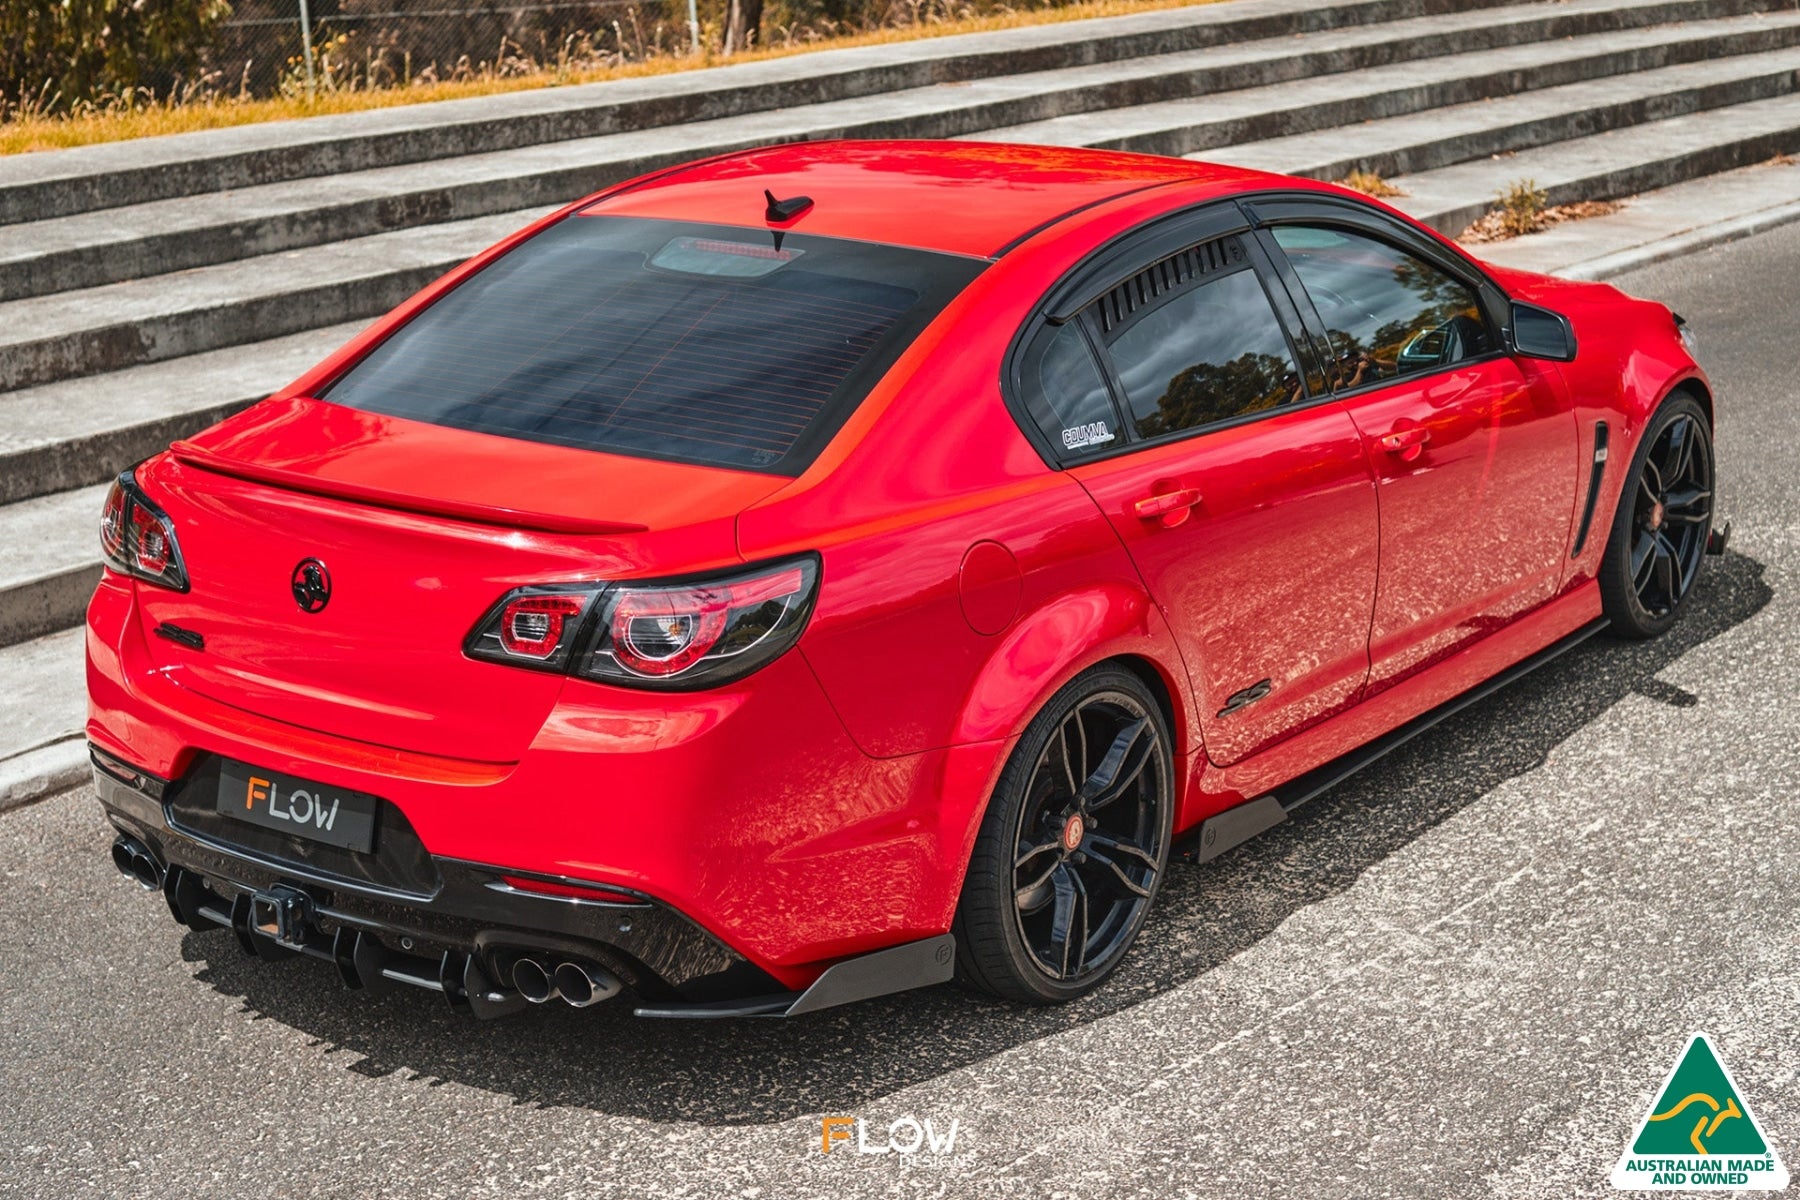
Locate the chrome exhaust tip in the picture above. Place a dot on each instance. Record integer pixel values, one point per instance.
(133, 858)
(582, 985)
(533, 982)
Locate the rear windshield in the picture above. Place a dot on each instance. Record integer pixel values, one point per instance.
(661, 339)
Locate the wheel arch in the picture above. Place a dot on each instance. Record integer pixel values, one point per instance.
(1697, 386)
(1055, 642)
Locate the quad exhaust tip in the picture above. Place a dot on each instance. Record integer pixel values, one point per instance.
(533, 982)
(134, 859)
(576, 984)
(583, 985)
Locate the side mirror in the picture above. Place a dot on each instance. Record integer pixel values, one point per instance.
(1539, 333)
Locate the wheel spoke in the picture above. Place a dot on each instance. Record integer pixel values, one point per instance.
(1124, 761)
(1653, 480)
(1677, 575)
(1664, 572)
(1125, 881)
(1642, 557)
(1672, 462)
(1082, 941)
(1031, 896)
(1027, 856)
(1069, 896)
(1688, 506)
(1121, 848)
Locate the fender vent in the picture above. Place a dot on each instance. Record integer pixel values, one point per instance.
(1162, 277)
(1595, 475)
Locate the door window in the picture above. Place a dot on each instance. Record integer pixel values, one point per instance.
(1210, 352)
(1387, 313)
(1065, 392)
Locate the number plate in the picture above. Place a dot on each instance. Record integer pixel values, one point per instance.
(297, 807)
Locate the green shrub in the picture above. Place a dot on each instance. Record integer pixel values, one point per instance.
(58, 54)
(1521, 207)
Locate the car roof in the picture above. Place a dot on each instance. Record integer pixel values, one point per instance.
(974, 198)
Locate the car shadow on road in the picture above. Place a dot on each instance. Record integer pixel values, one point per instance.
(842, 1060)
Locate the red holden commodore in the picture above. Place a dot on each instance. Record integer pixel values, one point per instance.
(827, 570)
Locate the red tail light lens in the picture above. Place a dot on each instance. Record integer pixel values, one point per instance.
(679, 635)
(535, 626)
(138, 539)
(704, 632)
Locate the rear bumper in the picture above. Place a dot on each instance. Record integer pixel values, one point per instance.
(766, 846)
(470, 912)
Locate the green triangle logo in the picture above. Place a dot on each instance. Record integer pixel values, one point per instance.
(1700, 1133)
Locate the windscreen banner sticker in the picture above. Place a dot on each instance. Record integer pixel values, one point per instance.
(1079, 437)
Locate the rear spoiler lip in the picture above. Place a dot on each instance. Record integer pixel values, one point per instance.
(462, 510)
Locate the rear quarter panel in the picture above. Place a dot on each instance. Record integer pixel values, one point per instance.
(932, 464)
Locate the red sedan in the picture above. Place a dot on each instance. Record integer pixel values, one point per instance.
(823, 570)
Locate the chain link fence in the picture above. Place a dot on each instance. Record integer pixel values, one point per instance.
(268, 47)
(73, 57)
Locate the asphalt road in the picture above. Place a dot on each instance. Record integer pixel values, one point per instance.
(1461, 974)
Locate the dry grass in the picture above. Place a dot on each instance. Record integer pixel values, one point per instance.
(28, 133)
(1499, 225)
(1371, 184)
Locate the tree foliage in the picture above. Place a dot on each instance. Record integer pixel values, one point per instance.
(54, 53)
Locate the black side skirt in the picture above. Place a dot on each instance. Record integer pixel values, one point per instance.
(1237, 825)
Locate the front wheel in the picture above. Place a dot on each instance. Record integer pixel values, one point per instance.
(1073, 845)
(1659, 534)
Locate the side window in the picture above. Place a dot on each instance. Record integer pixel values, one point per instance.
(1388, 314)
(1065, 391)
(1210, 352)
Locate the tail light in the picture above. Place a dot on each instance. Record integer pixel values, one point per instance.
(535, 626)
(679, 635)
(138, 539)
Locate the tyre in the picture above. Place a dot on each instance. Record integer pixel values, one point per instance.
(1659, 533)
(1073, 846)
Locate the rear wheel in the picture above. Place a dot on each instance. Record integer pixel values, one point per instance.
(1659, 534)
(1073, 846)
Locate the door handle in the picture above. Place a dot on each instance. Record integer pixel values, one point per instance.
(1169, 508)
(1407, 444)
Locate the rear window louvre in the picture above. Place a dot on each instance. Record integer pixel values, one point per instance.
(578, 338)
(1166, 275)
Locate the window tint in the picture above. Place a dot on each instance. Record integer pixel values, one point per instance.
(661, 339)
(1066, 393)
(1209, 353)
(1388, 313)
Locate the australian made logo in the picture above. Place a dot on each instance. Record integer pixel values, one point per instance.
(1700, 1134)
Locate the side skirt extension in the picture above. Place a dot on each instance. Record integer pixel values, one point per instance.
(1237, 825)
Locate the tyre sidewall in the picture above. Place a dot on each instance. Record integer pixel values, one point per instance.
(1620, 599)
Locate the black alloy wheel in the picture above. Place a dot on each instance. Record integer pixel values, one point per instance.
(1665, 515)
(1073, 846)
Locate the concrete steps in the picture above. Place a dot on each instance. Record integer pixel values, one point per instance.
(124, 242)
(1416, 142)
(107, 176)
(1609, 165)
(1589, 82)
(69, 434)
(182, 278)
(52, 562)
